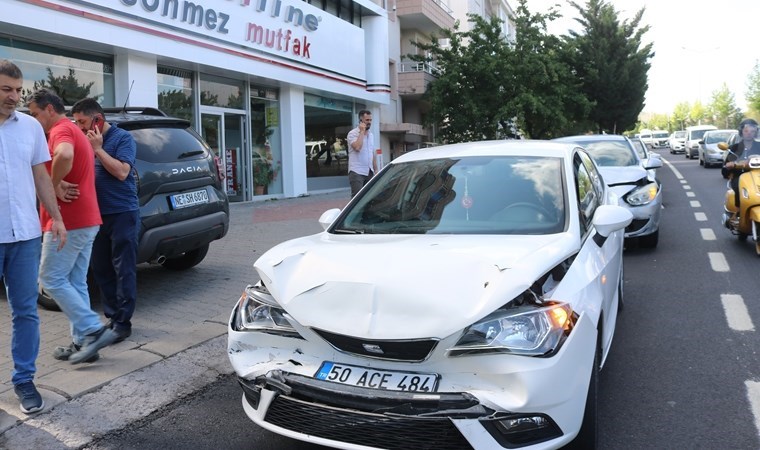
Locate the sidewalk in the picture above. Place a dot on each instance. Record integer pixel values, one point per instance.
(178, 341)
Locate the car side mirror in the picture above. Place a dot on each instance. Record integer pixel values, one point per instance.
(611, 218)
(653, 163)
(328, 217)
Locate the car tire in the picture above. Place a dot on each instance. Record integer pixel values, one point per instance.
(47, 302)
(702, 163)
(650, 240)
(587, 437)
(187, 259)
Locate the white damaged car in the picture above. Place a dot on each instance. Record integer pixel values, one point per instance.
(465, 298)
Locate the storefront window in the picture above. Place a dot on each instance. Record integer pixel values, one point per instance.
(72, 75)
(175, 92)
(266, 152)
(222, 92)
(328, 121)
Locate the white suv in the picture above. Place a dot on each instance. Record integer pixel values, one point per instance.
(677, 141)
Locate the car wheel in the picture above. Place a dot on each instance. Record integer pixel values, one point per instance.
(47, 302)
(587, 436)
(186, 260)
(650, 240)
(702, 163)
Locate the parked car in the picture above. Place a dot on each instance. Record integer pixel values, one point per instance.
(677, 141)
(709, 153)
(731, 141)
(693, 136)
(646, 137)
(624, 172)
(432, 313)
(647, 158)
(660, 139)
(183, 204)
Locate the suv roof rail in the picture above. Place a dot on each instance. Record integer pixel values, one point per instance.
(142, 110)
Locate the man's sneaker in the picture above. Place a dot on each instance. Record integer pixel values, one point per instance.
(92, 343)
(121, 333)
(30, 398)
(63, 353)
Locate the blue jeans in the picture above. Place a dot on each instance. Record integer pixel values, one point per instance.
(63, 275)
(114, 265)
(19, 263)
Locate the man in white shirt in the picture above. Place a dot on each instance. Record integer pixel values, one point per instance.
(23, 154)
(361, 153)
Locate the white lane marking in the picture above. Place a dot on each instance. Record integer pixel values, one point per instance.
(686, 187)
(718, 262)
(700, 217)
(707, 234)
(695, 204)
(736, 312)
(753, 395)
(673, 169)
(691, 194)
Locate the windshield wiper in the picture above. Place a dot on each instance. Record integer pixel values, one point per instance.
(189, 154)
(347, 231)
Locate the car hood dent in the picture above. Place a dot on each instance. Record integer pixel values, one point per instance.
(401, 286)
(622, 175)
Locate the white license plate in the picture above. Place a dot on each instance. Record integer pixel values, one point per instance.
(377, 379)
(189, 199)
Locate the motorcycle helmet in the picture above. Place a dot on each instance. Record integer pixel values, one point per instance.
(748, 123)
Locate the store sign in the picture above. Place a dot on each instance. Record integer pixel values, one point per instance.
(291, 29)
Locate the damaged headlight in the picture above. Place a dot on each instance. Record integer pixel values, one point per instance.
(258, 311)
(642, 195)
(532, 330)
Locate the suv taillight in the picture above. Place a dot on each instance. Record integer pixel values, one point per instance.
(219, 171)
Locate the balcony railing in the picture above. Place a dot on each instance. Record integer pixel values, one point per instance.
(416, 66)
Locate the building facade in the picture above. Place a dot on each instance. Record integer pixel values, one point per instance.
(272, 84)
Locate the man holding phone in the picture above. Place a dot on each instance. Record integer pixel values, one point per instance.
(114, 252)
(361, 156)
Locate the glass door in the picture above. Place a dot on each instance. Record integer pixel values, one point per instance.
(225, 133)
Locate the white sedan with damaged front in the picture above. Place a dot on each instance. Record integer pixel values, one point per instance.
(465, 298)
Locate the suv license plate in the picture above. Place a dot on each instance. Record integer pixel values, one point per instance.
(377, 379)
(189, 199)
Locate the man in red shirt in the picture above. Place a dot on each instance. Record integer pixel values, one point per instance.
(63, 274)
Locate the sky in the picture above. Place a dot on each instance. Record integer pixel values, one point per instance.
(698, 45)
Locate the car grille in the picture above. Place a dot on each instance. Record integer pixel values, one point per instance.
(412, 350)
(360, 428)
(636, 225)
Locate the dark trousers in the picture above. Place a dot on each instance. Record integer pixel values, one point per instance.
(114, 266)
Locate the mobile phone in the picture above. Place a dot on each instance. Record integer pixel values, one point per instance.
(97, 122)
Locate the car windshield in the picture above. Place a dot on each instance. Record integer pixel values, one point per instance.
(468, 195)
(698, 134)
(661, 135)
(680, 134)
(714, 138)
(610, 153)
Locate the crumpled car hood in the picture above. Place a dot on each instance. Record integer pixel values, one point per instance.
(405, 286)
(622, 179)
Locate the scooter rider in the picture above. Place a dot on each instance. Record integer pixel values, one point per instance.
(742, 149)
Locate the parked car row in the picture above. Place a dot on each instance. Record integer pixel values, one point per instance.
(466, 297)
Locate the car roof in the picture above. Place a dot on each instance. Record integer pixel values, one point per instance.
(591, 138)
(512, 147)
(135, 115)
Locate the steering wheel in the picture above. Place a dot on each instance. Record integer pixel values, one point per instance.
(526, 205)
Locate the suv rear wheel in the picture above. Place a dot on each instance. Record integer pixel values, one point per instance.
(186, 260)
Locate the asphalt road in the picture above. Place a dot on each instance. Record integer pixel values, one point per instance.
(680, 375)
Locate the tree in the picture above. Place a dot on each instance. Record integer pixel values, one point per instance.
(697, 113)
(486, 87)
(753, 89)
(469, 98)
(723, 108)
(680, 116)
(612, 64)
(548, 98)
(66, 86)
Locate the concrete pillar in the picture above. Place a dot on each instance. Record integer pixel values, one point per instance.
(292, 117)
(142, 69)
